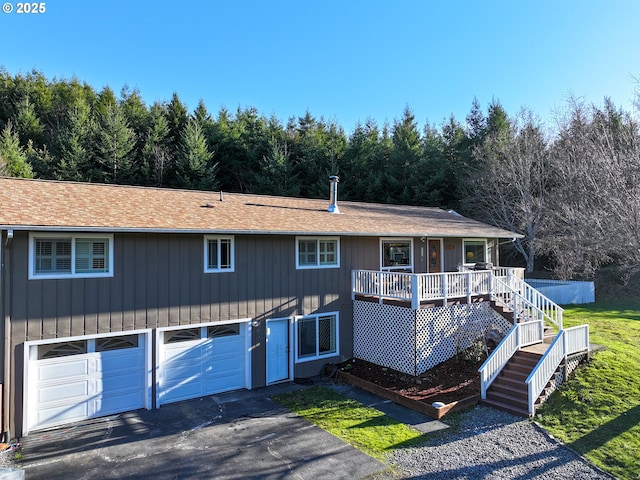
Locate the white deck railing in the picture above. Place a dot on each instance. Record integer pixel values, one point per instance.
(569, 341)
(520, 335)
(422, 287)
(526, 303)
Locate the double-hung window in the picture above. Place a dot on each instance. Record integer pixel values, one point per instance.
(317, 252)
(60, 255)
(317, 336)
(218, 253)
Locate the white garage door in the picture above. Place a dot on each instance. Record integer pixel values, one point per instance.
(198, 361)
(80, 379)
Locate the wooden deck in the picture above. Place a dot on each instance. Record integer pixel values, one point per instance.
(424, 303)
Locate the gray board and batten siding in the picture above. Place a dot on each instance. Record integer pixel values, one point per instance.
(159, 281)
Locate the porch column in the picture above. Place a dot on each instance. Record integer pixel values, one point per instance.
(415, 292)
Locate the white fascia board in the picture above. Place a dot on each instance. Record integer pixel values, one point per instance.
(87, 229)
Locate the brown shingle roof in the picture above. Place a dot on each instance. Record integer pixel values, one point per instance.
(51, 205)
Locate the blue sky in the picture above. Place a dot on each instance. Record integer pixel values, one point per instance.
(345, 60)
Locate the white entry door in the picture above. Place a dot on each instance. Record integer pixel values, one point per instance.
(278, 351)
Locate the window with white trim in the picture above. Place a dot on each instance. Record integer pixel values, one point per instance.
(317, 336)
(396, 254)
(474, 251)
(218, 253)
(60, 256)
(317, 252)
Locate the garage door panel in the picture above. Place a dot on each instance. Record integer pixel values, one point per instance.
(177, 391)
(223, 384)
(180, 373)
(185, 353)
(50, 370)
(56, 415)
(115, 383)
(224, 346)
(63, 393)
(115, 402)
(111, 361)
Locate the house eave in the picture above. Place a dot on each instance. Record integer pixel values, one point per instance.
(374, 233)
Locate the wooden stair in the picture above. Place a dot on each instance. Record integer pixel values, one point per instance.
(509, 391)
(503, 310)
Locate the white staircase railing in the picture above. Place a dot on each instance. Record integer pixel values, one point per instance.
(525, 301)
(520, 335)
(569, 341)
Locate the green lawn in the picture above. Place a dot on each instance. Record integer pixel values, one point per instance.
(597, 412)
(365, 428)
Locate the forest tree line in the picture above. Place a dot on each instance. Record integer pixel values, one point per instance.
(573, 191)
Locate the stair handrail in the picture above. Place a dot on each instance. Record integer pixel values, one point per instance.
(520, 335)
(568, 341)
(544, 369)
(541, 306)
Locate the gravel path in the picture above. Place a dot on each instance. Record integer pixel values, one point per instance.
(489, 444)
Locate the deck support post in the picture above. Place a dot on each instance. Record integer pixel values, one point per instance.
(415, 294)
(444, 289)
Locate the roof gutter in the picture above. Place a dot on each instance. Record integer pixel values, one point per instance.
(49, 228)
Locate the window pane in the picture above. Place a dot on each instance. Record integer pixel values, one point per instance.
(307, 254)
(215, 331)
(92, 255)
(328, 249)
(306, 337)
(212, 258)
(53, 255)
(474, 251)
(65, 349)
(327, 335)
(116, 343)
(396, 253)
(225, 253)
(187, 335)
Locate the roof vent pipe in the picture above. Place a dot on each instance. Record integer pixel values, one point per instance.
(333, 194)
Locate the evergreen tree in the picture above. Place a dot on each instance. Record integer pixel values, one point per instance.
(157, 156)
(114, 144)
(75, 144)
(277, 176)
(432, 171)
(400, 171)
(13, 160)
(28, 126)
(360, 156)
(195, 169)
(177, 117)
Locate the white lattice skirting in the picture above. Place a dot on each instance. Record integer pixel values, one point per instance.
(413, 341)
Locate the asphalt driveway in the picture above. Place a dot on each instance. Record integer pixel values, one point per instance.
(241, 435)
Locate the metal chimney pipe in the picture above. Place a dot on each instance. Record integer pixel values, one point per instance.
(333, 194)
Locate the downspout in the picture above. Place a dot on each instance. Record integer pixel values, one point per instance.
(6, 298)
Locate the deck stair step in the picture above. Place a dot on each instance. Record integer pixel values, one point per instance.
(502, 310)
(506, 407)
(509, 391)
